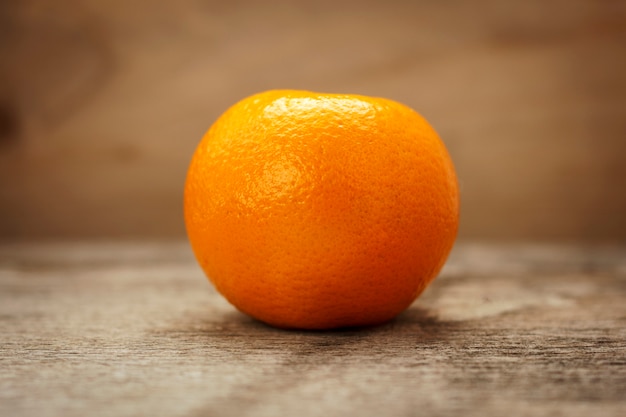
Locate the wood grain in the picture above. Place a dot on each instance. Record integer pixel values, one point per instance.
(121, 329)
(102, 103)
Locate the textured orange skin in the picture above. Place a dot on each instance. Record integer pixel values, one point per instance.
(318, 211)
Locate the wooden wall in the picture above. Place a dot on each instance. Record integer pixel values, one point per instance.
(102, 103)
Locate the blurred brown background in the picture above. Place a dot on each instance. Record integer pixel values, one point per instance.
(102, 103)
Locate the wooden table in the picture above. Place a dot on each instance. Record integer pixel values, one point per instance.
(121, 329)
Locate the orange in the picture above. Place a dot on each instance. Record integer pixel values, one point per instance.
(318, 211)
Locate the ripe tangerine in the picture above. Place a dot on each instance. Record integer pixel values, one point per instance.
(318, 211)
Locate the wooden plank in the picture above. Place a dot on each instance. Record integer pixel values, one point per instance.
(135, 329)
(103, 103)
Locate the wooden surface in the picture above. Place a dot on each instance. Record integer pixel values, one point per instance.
(106, 329)
(102, 103)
